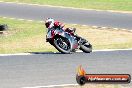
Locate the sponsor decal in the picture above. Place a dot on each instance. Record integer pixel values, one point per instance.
(82, 77)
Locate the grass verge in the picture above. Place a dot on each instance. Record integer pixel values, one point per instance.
(25, 36)
(125, 5)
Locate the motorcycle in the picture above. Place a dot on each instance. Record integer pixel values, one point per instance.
(65, 42)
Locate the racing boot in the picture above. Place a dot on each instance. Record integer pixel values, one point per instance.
(70, 30)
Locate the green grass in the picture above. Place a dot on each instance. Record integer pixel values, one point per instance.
(125, 5)
(25, 36)
(22, 36)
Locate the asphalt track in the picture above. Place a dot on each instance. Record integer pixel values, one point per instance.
(41, 69)
(76, 16)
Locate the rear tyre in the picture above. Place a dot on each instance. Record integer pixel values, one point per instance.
(87, 47)
(62, 45)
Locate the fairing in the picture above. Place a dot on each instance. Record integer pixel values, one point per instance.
(52, 33)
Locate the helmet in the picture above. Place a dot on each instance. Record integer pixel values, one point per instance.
(49, 23)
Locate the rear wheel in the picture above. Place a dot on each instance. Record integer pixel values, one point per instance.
(62, 44)
(87, 47)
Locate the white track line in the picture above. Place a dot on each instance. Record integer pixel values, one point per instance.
(107, 50)
(111, 50)
(104, 50)
(17, 54)
(19, 19)
(52, 86)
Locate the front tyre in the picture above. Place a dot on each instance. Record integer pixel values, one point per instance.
(62, 45)
(87, 47)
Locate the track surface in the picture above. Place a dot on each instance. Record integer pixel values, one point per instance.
(43, 69)
(87, 17)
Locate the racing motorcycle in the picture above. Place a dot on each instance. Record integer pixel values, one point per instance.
(65, 42)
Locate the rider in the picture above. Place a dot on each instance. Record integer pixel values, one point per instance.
(50, 23)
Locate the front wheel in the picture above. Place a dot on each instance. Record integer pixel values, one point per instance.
(63, 45)
(87, 47)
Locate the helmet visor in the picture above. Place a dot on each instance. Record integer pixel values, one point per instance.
(47, 25)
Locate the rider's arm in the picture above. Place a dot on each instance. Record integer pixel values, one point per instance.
(58, 24)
